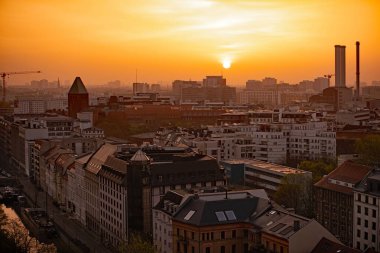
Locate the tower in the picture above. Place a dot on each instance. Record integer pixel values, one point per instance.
(357, 70)
(77, 98)
(340, 66)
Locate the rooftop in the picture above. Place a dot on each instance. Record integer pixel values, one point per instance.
(344, 177)
(78, 87)
(327, 246)
(267, 166)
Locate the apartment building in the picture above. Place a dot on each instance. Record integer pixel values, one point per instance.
(113, 201)
(334, 199)
(240, 221)
(270, 142)
(366, 220)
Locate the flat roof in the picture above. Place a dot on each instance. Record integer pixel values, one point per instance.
(267, 166)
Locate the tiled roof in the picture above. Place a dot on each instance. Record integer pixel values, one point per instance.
(78, 87)
(99, 157)
(327, 246)
(349, 172)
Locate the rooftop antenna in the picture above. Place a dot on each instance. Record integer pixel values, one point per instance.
(136, 76)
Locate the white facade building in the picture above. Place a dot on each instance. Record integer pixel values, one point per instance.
(366, 220)
(270, 142)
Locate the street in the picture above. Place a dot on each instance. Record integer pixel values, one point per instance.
(72, 228)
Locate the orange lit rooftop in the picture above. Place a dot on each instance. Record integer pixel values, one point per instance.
(262, 165)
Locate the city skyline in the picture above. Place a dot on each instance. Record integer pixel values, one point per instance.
(164, 41)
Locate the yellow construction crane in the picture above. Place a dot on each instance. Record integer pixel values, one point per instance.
(5, 74)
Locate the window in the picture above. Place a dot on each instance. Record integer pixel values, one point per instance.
(373, 225)
(359, 209)
(366, 223)
(222, 249)
(366, 199)
(222, 235)
(208, 250)
(366, 210)
(366, 235)
(374, 213)
(192, 249)
(245, 248)
(358, 245)
(358, 221)
(373, 238)
(233, 233)
(358, 233)
(233, 248)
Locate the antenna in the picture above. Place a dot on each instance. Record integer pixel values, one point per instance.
(136, 77)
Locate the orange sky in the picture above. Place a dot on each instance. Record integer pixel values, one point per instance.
(181, 39)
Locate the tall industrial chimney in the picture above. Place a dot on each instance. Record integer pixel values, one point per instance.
(357, 70)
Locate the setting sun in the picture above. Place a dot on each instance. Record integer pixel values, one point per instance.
(226, 64)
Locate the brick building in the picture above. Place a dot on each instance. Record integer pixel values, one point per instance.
(334, 199)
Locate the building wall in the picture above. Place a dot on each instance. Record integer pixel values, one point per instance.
(366, 221)
(113, 211)
(334, 210)
(187, 238)
(77, 103)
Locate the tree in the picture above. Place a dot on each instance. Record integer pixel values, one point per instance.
(369, 149)
(14, 237)
(296, 192)
(137, 245)
(318, 168)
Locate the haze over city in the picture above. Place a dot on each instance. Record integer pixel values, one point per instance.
(178, 126)
(168, 40)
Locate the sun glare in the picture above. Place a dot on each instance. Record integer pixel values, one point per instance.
(226, 64)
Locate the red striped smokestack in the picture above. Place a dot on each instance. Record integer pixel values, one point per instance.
(357, 70)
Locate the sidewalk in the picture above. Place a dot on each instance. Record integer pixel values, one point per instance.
(74, 229)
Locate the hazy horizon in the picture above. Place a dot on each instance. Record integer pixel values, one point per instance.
(168, 40)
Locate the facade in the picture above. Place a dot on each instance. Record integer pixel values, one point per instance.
(366, 220)
(234, 222)
(91, 180)
(270, 142)
(113, 202)
(38, 105)
(78, 99)
(334, 199)
(268, 176)
(340, 66)
(140, 88)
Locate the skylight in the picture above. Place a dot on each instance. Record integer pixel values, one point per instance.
(220, 216)
(230, 215)
(189, 215)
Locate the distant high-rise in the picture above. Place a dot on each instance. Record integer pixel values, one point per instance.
(77, 98)
(340, 66)
(357, 92)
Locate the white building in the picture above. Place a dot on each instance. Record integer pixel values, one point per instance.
(113, 201)
(270, 142)
(366, 220)
(76, 189)
(39, 105)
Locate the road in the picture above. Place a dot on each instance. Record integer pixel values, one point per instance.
(71, 227)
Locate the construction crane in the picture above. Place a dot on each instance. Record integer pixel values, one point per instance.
(7, 74)
(329, 77)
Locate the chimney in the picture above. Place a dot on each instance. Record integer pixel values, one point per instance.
(296, 225)
(357, 70)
